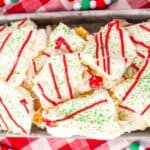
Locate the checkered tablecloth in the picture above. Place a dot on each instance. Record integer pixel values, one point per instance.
(24, 6)
(61, 144)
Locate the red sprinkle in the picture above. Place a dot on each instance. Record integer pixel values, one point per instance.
(95, 82)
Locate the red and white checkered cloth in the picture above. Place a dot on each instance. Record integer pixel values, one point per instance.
(61, 144)
(34, 6)
(24, 6)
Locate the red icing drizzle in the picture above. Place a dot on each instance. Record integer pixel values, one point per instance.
(11, 117)
(34, 67)
(139, 74)
(144, 27)
(3, 27)
(131, 110)
(134, 66)
(18, 56)
(54, 81)
(146, 109)
(24, 103)
(110, 26)
(21, 23)
(46, 54)
(75, 113)
(121, 40)
(67, 76)
(126, 108)
(61, 41)
(139, 43)
(140, 55)
(5, 41)
(97, 49)
(4, 122)
(44, 95)
(103, 54)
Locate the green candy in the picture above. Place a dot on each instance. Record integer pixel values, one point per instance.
(85, 4)
(134, 146)
(14, 1)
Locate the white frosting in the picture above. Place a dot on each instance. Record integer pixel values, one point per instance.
(10, 52)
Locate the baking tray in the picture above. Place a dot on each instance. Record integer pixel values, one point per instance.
(91, 20)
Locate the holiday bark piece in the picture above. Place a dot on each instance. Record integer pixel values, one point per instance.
(16, 109)
(111, 51)
(93, 116)
(62, 77)
(139, 34)
(65, 40)
(134, 95)
(16, 55)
